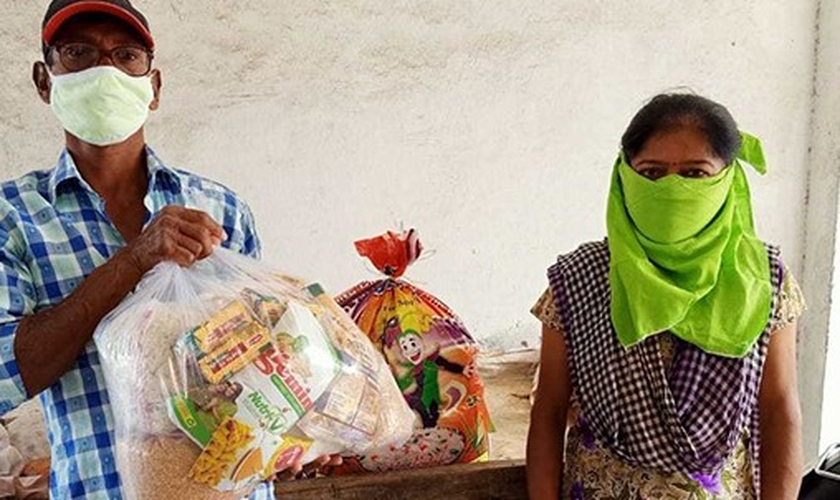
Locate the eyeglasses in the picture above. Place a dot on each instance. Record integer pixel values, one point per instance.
(131, 59)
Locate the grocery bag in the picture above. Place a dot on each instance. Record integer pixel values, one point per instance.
(431, 356)
(226, 372)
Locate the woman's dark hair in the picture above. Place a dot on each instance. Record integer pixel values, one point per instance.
(668, 112)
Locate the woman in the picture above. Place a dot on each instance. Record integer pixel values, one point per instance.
(669, 348)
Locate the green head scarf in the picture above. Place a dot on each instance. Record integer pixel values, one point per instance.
(684, 257)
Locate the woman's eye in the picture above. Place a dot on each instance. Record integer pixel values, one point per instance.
(652, 173)
(695, 173)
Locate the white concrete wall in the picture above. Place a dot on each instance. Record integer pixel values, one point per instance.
(822, 242)
(490, 125)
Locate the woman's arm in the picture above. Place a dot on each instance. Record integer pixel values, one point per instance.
(546, 434)
(781, 420)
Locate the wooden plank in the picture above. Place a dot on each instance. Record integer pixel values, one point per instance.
(485, 481)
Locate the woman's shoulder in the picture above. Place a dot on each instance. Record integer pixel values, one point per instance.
(586, 252)
(790, 304)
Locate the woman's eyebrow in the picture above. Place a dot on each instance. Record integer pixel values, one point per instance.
(681, 163)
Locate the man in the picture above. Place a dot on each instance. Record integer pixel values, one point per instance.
(76, 239)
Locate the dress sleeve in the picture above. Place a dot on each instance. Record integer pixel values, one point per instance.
(17, 299)
(545, 310)
(791, 303)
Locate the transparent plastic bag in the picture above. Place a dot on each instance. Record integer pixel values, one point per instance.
(223, 373)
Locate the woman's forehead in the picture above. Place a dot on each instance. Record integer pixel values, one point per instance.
(685, 140)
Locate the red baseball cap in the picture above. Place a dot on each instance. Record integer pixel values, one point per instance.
(60, 11)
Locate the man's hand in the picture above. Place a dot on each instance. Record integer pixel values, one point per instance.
(48, 343)
(300, 471)
(177, 234)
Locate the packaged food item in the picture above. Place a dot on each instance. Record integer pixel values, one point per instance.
(432, 357)
(224, 373)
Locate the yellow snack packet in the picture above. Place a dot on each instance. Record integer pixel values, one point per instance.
(239, 349)
(233, 316)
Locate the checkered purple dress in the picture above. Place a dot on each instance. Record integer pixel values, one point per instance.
(685, 418)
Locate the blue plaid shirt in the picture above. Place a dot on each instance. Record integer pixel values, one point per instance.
(53, 233)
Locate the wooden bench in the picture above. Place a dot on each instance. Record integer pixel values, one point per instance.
(484, 481)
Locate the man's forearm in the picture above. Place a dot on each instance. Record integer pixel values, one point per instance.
(49, 342)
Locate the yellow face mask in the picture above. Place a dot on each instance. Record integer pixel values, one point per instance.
(101, 105)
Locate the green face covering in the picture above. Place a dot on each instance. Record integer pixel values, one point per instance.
(684, 258)
(673, 208)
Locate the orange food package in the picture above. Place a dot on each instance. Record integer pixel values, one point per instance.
(432, 357)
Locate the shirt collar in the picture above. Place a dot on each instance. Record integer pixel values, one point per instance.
(66, 172)
(160, 173)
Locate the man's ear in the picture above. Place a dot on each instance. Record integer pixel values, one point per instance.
(157, 84)
(41, 79)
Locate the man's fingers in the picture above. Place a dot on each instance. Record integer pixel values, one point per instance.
(202, 219)
(178, 234)
(190, 244)
(200, 235)
(181, 215)
(183, 257)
